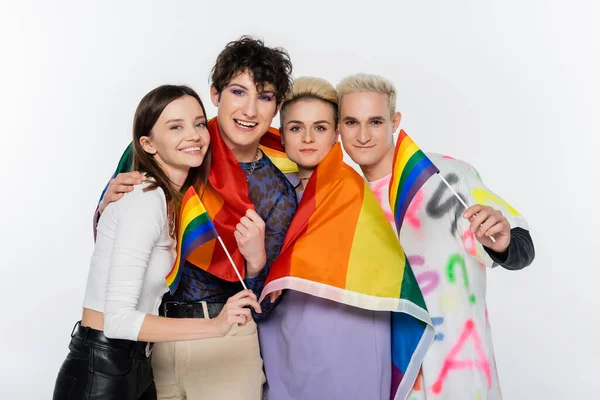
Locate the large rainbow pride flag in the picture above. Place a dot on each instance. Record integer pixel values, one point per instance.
(341, 247)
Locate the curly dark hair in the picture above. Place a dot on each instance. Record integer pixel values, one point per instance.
(265, 64)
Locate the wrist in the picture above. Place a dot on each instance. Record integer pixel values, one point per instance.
(253, 268)
(502, 250)
(215, 327)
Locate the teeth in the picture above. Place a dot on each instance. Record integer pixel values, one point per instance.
(246, 124)
(191, 149)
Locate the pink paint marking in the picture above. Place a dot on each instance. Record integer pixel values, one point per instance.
(428, 281)
(415, 261)
(470, 243)
(468, 239)
(413, 207)
(382, 197)
(452, 363)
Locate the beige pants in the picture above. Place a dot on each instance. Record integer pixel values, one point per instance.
(227, 368)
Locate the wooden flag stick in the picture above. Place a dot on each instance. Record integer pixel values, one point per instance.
(459, 198)
(232, 263)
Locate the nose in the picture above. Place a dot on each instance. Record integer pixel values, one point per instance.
(364, 136)
(192, 134)
(307, 137)
(250, 108)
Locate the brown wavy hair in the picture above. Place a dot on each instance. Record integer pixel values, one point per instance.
(146, 115)
(265, 64)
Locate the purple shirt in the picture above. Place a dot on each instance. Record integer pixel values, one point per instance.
(315, 348)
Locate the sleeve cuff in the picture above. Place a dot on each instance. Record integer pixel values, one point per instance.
(498, 258)
(519, 254)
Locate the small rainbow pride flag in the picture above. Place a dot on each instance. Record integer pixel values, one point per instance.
(195, 229)
(411, 169)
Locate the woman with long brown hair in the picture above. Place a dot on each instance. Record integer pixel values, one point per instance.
(135, 250)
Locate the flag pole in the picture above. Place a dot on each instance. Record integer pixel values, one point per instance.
(232, 263)
(459, 198)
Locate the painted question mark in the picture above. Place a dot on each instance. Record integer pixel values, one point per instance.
(451, 275)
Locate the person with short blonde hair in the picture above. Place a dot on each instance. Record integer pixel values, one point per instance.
(361, 83)
(440, 235)
(313, 347)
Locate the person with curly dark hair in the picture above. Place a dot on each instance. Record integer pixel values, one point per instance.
(249, 83)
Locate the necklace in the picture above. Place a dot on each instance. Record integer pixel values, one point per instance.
(252, 166)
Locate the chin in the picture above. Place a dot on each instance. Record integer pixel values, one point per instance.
(361, 159)
(244, 139)
(308, 166)
(195, 163)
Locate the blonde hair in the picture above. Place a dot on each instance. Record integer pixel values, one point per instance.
(368, 83)
(307, 88)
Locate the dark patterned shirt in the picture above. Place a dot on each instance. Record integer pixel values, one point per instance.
(275, 201)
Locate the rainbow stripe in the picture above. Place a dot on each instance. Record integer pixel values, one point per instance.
(270, 144)
(340, 246)
(411, 169)
(195, 229)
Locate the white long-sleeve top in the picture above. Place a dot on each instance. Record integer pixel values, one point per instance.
(133, 255)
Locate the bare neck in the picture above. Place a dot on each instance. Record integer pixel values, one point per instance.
(379, 169)
(246, 154)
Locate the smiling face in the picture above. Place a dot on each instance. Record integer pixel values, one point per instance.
(308, 133)
(244, 114)
(366, 130)
(179, 139)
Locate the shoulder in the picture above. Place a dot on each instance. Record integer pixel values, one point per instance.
(143, 200)
(144, 194)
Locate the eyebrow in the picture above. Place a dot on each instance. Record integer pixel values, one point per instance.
(273, 92)
(238, 85)
(314, 123)
(377, 117)
(181, 120)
